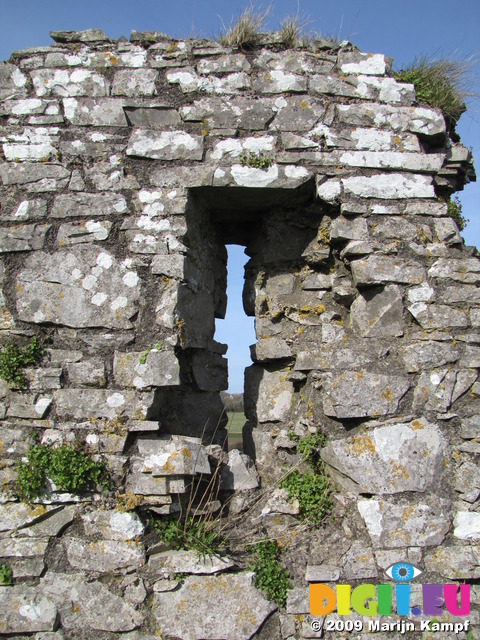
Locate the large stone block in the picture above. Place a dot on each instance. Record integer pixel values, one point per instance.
(105, 555)
(213, 607)
(150, 368)
(167, 145)
(89, 204)
(66, 82)
(96, 112)
(88, 288)
(26, 610)
(173, 456)
(358, 394)
(82, 404)
(389, 186)
(273, 391)
(393, 525)
(378, 312)
(368, 463)
(382, 269)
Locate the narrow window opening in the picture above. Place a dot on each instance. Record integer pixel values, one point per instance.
(238, 332)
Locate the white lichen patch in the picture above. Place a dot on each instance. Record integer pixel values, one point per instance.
(253, 177)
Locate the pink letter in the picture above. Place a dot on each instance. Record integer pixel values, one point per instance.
(450, 593)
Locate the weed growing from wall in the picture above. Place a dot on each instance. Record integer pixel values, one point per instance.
(199, 534)
(67, 466)
(442, 84)
(13, 359)
(270, 576)
(6, 575)
(258, 161)
(312, 490)
(455, 212)
(243, 34)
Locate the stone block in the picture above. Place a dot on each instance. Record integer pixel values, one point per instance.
(220, 612)
(152, 117)
(229, 113)
(173, 456)
(239, 473)
(66, 83)
(88, 373)
(17, 515)
(23, 237)
(210, 371)
(362, 63)
(96, 112)
(82, 404)
(428, 354)
(32, 172)
(273, 390)
(27, 210)
(113, 525)
(378, 312)
(358, 394)
(150, 368)
(466, 270)
(392, 525)
(168, 563)
(88, 204)
(389, 186)
(79, 233)
(382, 269)
(13, 83)
(26, 610)
(88, 288)
(134, 82)
(366, 462)
(268, 349)
(167, 145)
(105, 556)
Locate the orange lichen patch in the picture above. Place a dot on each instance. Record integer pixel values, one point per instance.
(400, 535)
(399, 470)
(416, 424)
(303, 104)
(74, 608)
(387, 394)
(244, 615)
(408, 513)
(425, 453)
(361, 445)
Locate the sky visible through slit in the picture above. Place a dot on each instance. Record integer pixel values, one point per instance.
(237, 330)
(400, 30)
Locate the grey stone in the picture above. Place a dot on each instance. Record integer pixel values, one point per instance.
(447, 231)
(168, 145)
(113, 525)
(471, 357)
(437, 316)
(399, 525)
(89, 373)
(189, 81)
(378, 312)
(421, 120)
(97, 403)
(23, 238)
(89, 288)
(105, 555)
(357, 394)
(78, 233)
(88, 204)
(470, 427)
(467, 482)
(146, 484)
(210, 371)
(278, 502)
(273, 390)
(227, 113)
(239, 473)
(91, 605)
(322, 573)
(172, 266)
(27, 210)
(466, 271)
(134, 82)
(65, 83)
(224, 64)
(454, 563)
(318, 281)
(32, 172)
(13, 82)
(434, 390)
(344, 229)
(218, 613)
(367, 463)
(267, 349)
(150, 368)
(96, 112)
(467, 525)
(26, 610)
(168, 563)
(53, 525)
(359, 563)
(29, 406)
(86, 36)
(381, 269)
(173, 455)
(427, 354)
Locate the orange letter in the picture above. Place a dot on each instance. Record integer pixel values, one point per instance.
(322, 599)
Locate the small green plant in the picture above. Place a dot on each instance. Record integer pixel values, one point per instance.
(6, 575)
(270, 576)
(469, 635)
(69, 468)
(442, 84)
(200, 534)
(291, 31)
(143, 356)
(455, 211)
(252, 159)
(312, 490)
(243, 34)
(308, 448)
(13, 359)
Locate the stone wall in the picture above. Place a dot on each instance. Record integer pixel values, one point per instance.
(125, 168)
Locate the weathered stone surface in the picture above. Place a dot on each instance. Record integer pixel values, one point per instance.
(29, 406)
(389, 186)
(66, 83)
(378, 312)
(428, 354)
(466, 271)
(13, 83)
(25, 173)
(421, 120)
(113, 525)
(434, 390)
(173, 455)
(455, 563)
(88, 204)
(279, 502)
(437, 316)
(52, 525)
(23, 237)
(210, 371)
(357, 394)
(168, 145)
(86, 36)
(189, 81)
(89, 605)
(96, 403)
(467, 525)
(211, 607)
(150, 368)
(106, 555)
(322, 573)
(16, 515)
(227, 113)
(26, 610)
(134, 82)
(89, 288)
(168, 563)
(381, 269)
(78, 233)
(99, 112)
(272, 348)
(273, 390)
(359, 563)
(89, 373)
(367, 463)
(239, 473)
(393, 525)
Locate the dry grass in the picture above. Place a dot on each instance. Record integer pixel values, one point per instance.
(243, 33)
(291, 31)
(443, 84)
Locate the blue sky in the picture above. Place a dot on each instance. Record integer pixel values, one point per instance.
(400, 30)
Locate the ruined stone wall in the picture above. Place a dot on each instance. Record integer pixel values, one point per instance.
(125, 168)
